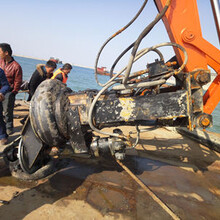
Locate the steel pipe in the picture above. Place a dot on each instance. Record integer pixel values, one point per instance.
(139, 85)
(216, 13)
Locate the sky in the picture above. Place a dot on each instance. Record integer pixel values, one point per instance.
(73, 31)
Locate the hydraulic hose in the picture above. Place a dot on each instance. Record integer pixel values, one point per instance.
(139, 55)
(125, 51)
(114, 35)
(144, 51)
(140, 38)
(137, 139)
(91, 111)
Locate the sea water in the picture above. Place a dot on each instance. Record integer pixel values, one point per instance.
(81, 78)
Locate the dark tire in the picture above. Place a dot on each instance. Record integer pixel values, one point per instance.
(47, 112)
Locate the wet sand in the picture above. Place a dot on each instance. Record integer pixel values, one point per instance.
(182, 173)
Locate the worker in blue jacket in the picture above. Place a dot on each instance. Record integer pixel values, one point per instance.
(4, 87)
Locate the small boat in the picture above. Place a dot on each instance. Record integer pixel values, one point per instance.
(102, 71)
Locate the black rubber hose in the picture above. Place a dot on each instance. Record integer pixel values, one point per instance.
(114, 35)
(124, 52)
(140, 38)
(118, 58)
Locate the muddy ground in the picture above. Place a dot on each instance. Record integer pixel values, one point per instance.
(183, 174)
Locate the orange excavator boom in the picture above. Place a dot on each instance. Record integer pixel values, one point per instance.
(183, 26)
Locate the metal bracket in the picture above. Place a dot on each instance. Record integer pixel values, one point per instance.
(77, 140)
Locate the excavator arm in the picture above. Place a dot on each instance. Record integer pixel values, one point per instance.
(183, 26)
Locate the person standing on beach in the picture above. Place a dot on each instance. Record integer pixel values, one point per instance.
(4, 87)
(41, 73)
(13, 72)
(62, 73)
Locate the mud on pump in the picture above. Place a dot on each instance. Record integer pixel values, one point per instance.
(63, 123)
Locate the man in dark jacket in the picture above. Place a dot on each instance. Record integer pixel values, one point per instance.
(41, 73)
(4, 87)
(13, 74)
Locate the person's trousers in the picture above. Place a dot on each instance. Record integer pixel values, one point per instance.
(8, 108)
(3, 133)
